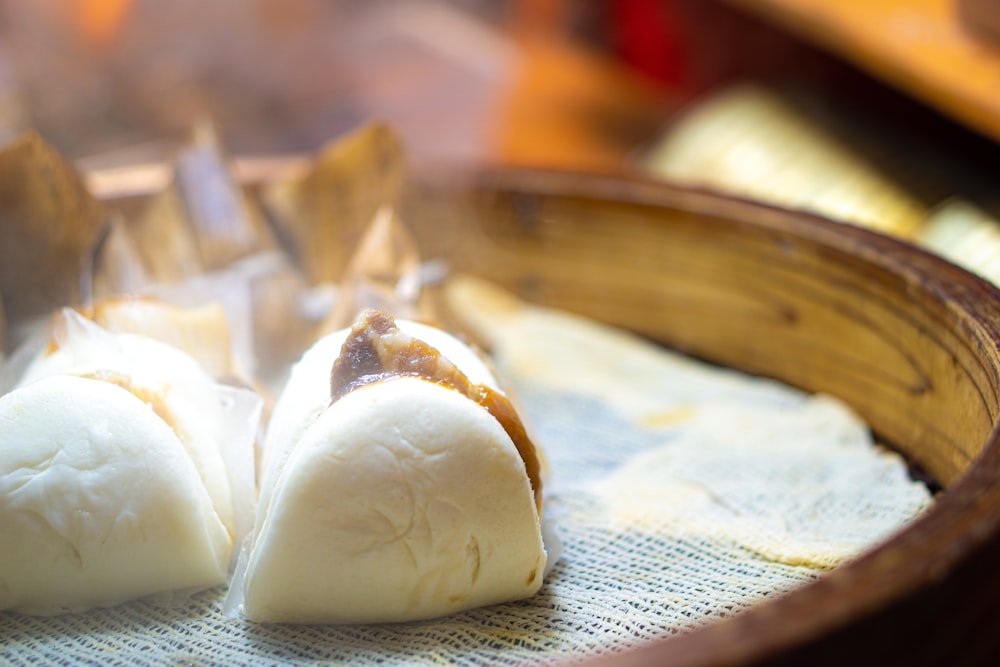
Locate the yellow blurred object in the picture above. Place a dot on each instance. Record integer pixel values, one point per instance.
(966, 235)
(758, 142)
(755, 142)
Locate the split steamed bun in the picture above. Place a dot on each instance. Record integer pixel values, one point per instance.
(118, 473)
(403, 498)
(98, 501)
(170, 381)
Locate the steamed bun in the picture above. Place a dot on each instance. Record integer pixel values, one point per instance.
(99, 502)
(125, 471)
(402, 499)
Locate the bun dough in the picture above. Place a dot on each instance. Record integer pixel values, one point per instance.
(402, 500)
(307, 392)
(180, 391)
(99, 501)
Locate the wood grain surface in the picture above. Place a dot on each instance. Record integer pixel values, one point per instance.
(921, 47)
(911, 342)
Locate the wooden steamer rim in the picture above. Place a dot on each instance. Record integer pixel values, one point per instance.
(909, 340)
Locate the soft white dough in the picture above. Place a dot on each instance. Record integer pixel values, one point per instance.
(185, 390)
(307, 392)
(403, 500)
(99, 502)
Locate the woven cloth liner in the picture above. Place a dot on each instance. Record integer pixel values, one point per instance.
(681, 493)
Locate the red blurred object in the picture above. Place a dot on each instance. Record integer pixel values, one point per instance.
(648, 36)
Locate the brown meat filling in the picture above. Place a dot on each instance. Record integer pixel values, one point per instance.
(376, 349)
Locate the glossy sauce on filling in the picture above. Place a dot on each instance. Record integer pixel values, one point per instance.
(376, 349)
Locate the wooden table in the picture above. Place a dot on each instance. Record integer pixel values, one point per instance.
(920, 47)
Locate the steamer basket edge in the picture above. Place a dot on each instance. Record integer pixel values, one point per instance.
(909, 340)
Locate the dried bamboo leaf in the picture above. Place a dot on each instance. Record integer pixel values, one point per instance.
(3, 332)
(49, 222)
(116, 267)
(384, 274)
(282, 323)
(164, 240)
(323, 209)
(202, 221)
(226, 225)
(202, 332)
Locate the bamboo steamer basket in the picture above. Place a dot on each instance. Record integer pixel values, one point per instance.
(909, 340)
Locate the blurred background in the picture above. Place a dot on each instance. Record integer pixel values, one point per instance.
(881, 112)
(278, 76)
(477, 79)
